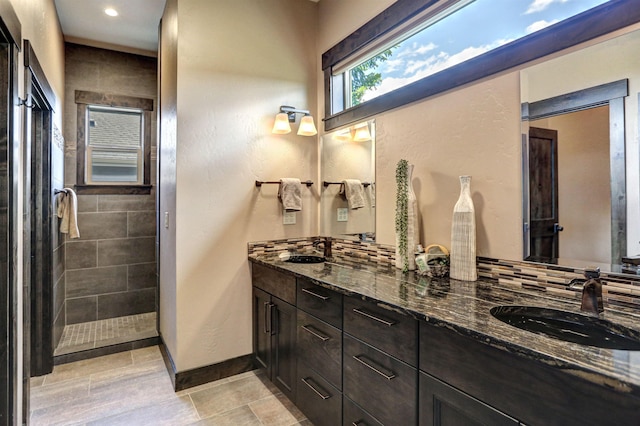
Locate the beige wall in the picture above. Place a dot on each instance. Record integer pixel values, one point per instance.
(237, 62)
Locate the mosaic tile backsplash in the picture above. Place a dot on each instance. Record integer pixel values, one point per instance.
(618, 289)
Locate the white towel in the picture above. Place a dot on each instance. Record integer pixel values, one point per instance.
(372, 194)
(353, 192)
(289, 192)
(68, 212)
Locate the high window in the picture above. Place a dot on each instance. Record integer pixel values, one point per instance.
(113, 148)
(418, 48)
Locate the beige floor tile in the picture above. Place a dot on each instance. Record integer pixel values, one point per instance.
(238, 416)
(86, 367)
(152, 353)
(34, 382)
(276, 411)
(202, 387)
(219, 399)
(63, 393)
(179, 411)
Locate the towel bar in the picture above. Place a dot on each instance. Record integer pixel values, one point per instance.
(326, 183)
(58, 191)
(259, 183)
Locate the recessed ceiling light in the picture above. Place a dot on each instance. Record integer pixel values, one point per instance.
(111, 12)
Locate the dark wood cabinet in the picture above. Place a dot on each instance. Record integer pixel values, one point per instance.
(379, 383)
(274, 327)
(353, 415)
(320, 302)
(318, 399)
(320, 346)
(443, 405)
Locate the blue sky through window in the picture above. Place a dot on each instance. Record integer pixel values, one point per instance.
(479, 27)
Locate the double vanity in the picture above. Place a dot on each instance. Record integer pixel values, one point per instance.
(364, 344)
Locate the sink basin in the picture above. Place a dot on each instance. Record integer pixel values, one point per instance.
(304, 258)
(569, 326)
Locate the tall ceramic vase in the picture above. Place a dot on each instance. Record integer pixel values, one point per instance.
(412, 226)
(463, 235)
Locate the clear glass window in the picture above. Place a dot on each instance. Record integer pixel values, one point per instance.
(440, 40)
(115, 142)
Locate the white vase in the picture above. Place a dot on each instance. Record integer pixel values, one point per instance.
(412, 226)
(463, 235)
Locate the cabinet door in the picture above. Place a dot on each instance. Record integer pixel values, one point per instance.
(443, 405)
(320, 346)
(382, 385)
(262, 328)
(317, 398)
(284, 348)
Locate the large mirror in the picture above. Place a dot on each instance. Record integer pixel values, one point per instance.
(348, 156)
(580, 155)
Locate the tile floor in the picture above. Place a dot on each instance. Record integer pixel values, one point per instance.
(133, 388)
(97, 334)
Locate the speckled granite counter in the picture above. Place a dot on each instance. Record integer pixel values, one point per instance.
(464, 308)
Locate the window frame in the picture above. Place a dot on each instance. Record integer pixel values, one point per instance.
(84, 100)
(600, 20)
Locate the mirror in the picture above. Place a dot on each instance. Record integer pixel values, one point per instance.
(580, 155)
(348, 153)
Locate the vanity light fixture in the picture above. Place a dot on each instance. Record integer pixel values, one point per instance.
(361, 133)
(111, 11)
(287, 115)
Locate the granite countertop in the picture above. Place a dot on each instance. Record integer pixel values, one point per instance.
(464, 308)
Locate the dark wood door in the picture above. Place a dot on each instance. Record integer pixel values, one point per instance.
(543, 193)
(262, 329)
(284, 347)
(443, 405)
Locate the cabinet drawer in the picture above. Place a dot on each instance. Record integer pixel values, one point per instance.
(320, 302)
(320, 346)
(353, 415)
(389, 331)
(317, 399)
(273, 282)
(380, 384)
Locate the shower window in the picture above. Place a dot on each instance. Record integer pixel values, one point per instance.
(113, 154)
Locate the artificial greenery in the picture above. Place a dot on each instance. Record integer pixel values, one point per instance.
(402, 211)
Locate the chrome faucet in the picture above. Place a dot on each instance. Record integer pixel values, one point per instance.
(591, 291)
(326, 245)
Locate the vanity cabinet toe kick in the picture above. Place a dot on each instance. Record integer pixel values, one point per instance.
(350, 361)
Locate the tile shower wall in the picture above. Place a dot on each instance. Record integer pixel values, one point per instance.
(57, 242)
(110, 271)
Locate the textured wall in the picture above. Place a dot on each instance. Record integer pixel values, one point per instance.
(237, 62)
(111, 268)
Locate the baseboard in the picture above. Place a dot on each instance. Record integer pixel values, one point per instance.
(105, 350)
(209, 373)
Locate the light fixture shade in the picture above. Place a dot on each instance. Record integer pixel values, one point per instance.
(361, 133)
(307, 127)
(281, 125)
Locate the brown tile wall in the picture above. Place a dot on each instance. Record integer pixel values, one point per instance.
(110, 271)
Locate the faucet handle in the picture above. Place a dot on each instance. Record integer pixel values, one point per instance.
(592, 272)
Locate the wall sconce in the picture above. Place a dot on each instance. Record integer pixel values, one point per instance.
(287, 115)
(361, 133)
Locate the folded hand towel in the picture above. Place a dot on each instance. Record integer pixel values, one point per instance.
(353, 192)
(372, 194)
(68, 212)
(289, 193)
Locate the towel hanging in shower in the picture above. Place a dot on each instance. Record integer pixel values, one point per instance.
(68, 212)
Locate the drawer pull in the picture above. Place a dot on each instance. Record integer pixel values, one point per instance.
(359, 423)
(319, 296)
(315, 333)
(373, 317)
(387, 375)
(320, 394)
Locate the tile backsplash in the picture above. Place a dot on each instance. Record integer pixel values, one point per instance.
(618, 289)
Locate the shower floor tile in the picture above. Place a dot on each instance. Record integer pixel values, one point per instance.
(97, 334)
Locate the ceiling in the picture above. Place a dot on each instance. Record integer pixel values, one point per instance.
(135, 27)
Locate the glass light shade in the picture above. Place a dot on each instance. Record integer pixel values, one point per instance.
(343, 135)
(281, 125)
(307, 127)
(361, 133)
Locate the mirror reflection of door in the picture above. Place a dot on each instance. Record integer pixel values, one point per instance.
(543, 193)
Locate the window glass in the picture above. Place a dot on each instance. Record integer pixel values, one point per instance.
(466, 30)
(114, 145)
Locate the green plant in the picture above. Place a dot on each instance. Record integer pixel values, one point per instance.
(402, 211)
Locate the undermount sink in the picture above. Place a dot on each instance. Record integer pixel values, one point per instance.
(569, 326)
(304, 258)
